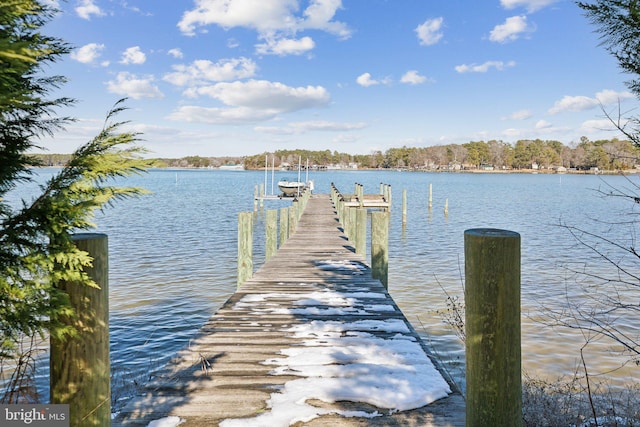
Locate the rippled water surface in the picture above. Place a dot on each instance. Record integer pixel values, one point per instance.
(173, 254)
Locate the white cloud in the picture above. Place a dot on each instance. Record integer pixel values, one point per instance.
(608, 96)
(190, 113)
(511, 30)
(413, 77)
(600, 125)
(133, 55)
(518, 115)
(176, 53)
(266, 17)
(543, 124)
(319, 15)
(573, 103)
(266, 95)
(131, 86)
(311, 126)
(530, 5)
(345, 138)
(366, 80)
(321, 125)
(483, 68)
(581, 103)
(204, 71)
(88, 8)
(285, 46)
(88, 53)
(254, 100)
(429, 31)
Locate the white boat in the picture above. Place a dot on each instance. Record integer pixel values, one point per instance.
(291, 188)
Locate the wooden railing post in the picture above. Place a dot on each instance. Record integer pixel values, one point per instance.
(380, 246)
(284, 225)
(245, 247)
(271, 233)
(404, 207)
(80, 367)
(361, 231)
(351, 228)
(492, 328)
(292, 219)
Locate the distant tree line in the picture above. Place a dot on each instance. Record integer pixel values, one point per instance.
(611, 154)
(606, 155)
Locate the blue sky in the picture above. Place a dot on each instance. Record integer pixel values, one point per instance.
(241, 77)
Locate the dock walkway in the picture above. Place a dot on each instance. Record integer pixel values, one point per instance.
(311, 339)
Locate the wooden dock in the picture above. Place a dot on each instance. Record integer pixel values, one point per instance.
(301, 327)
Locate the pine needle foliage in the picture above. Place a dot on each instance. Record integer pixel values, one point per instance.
(618, 23)
(36, 250)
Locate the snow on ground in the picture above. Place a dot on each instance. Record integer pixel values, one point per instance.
(166, 422)
(342, 360)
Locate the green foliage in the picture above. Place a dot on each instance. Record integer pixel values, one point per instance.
(25, 112)
(36, 251)
(618, 22)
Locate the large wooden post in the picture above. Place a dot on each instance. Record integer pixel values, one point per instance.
(380, 246)
(80, 367)
(404, 207)
(245, 247)
(361, 231)
(284, 225)
(351, 229)
(271, 233)
(292, 219)
(492, 328)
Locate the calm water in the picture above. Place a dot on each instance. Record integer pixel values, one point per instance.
(173, 255)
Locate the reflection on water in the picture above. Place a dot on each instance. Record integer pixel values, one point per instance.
(173, 255)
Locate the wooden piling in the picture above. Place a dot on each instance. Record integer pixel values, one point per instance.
(361, 231)
(262, 193)
(271, 233)
(430, 196)
(492, 328)
(352, 221)
(245, 247)
(80, 367)
(292, 218)
(404, 207)
(380, 246)
(284, 225)
(255, 198)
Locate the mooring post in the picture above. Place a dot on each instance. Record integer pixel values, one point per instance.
(389, 196)
(404, 207)
(271, 233)
(262, 193)
(292, 220)
(353, 218)
(380, 246)
(361, 231)
(492, 328)
(284, 225)
(80, 367)
(245, 247)
(255, 198)
(430, 196)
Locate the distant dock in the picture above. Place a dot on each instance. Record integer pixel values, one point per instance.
(313, 339)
